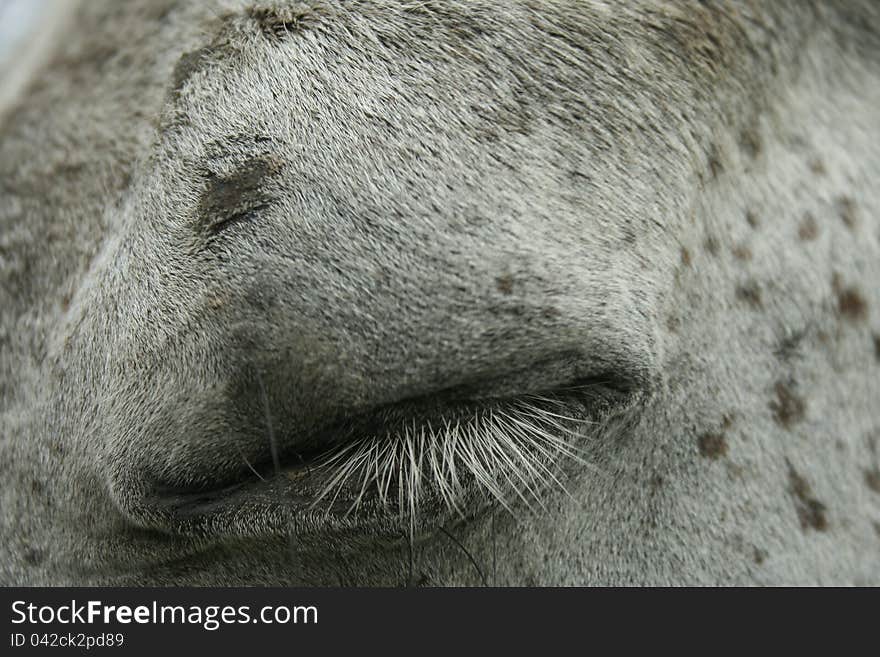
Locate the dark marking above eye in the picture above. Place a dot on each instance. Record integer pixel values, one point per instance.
(238, 196)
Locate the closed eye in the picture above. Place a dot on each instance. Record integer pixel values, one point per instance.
(413, 463)
(504, 450)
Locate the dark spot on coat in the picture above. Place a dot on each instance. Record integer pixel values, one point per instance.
(750, 141)
(872, 479)
(737, 541)
(788, 408)
(759, 556)
(752, 219)
(789, 345)
(742, 252)
(851, 305)
(685, 257)
(704, 36)
(214, 301)
(846, 208)
(57, 448)
(750, 293)
(716, 166)
(279, 22)
(238, 196)
(811, 512)
(817, 166)
(712, 245)
(712, 445)
(33, 556)
(261, 296)
(516, 309)
(550, 312)
(876, 337)
(504, 284)
(809, 229)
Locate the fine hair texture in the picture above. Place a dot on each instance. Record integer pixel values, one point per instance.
(398, 292)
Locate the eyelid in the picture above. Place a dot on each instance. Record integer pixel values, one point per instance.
(505, 449)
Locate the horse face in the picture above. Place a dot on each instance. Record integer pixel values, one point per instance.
(367, 294)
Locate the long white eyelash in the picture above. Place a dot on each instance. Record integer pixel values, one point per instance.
(507, 453)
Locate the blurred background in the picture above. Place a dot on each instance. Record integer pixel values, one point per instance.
(27, 30)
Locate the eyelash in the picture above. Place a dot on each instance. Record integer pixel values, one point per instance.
(503, 452)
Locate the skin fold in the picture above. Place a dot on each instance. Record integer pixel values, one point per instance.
(237, 237)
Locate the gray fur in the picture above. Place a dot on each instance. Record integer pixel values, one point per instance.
(223, 225)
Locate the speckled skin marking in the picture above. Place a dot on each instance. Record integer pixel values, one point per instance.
(348, 204)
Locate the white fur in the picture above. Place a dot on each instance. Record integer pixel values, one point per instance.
(288, 243)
